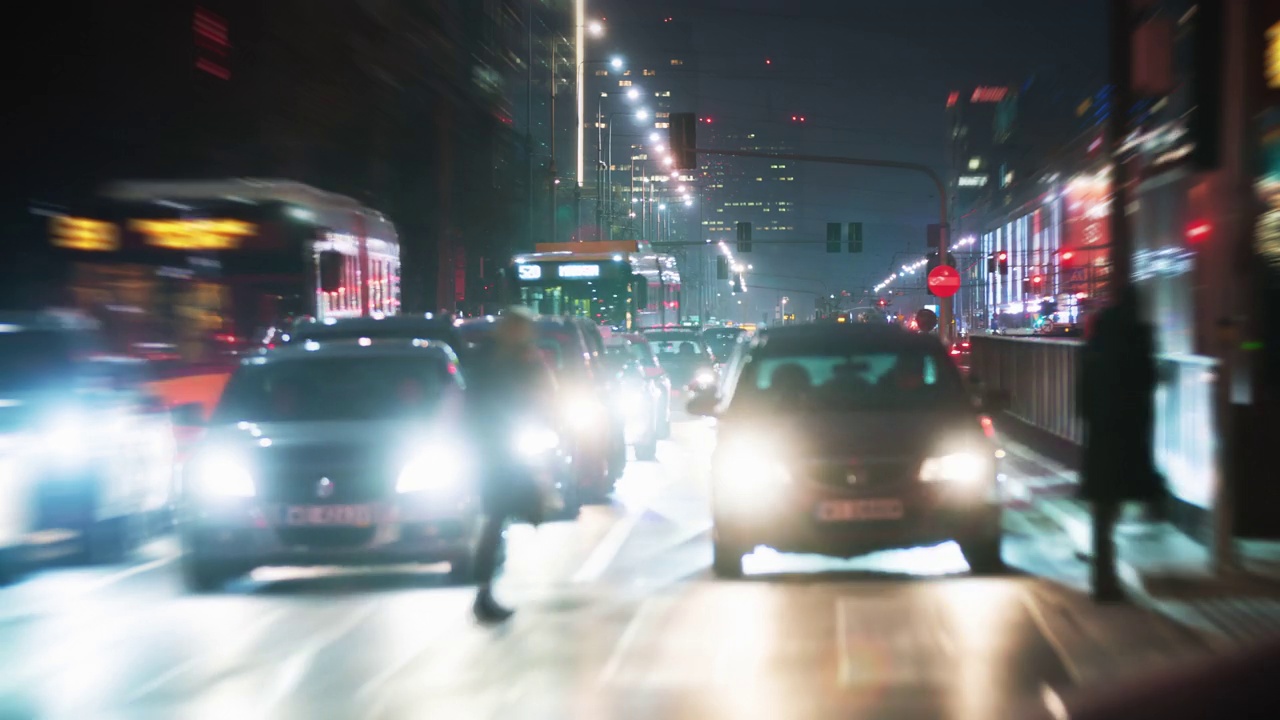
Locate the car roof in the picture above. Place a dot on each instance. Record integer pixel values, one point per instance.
(433, 350)
(407, 324)
(826, 338)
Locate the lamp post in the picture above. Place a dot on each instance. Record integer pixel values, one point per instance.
(640, 114)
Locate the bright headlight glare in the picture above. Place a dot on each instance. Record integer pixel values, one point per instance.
(533, 441)
(582, 412)
(705, 377)
(753, 466)
(219, 475)
(439, 469)
(959, 467)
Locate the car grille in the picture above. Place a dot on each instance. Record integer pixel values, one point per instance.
(338, 537)
(346, 486)
(869, 474)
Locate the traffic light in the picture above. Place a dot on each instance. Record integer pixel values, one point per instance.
(682, 139)
(1002, 263)
(1037, 280)
(991, 264)
(855, 237)
(744, 237)
(933, 236)
(722, 268)
(833, 237)
(933, 261)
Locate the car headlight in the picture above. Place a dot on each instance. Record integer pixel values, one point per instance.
(534, 441)
(632, 401)
(705, 378)
(442, 468)
(964, 468)
(752, 467)
(221, 475)
(582, 412)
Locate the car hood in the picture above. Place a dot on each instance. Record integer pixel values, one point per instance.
(887, 434)
(298, 445)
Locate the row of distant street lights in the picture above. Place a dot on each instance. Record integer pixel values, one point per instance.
(917, 266)
(596, 28)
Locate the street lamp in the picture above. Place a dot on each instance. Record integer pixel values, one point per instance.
(596, 28)
(633, 93)
(616, 63)
(655, 136)
(642, 114)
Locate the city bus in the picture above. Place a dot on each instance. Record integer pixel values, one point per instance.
(191, 274)
(621, 284)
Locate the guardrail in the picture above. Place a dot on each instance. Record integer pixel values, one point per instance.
(1041, 376)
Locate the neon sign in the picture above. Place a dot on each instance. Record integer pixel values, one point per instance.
(579, 271)
(972, 180)
(76, 233)
(529, 272)
(193, 234)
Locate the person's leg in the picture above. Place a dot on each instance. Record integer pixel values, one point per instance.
(1106, 584)
(486, 607)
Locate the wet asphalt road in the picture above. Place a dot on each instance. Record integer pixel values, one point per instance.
(619, 616)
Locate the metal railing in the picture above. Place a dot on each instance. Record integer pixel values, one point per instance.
(1040, 376)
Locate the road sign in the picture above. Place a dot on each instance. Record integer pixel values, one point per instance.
(944, 281)
(926, 320)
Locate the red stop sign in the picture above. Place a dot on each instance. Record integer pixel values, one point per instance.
(944, 281)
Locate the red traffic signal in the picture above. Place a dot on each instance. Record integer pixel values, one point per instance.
(1036, 280)
(1002, 256)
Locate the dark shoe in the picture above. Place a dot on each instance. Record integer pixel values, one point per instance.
(487, 610)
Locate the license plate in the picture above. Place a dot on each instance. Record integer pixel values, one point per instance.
(329, 515)
(857, 510)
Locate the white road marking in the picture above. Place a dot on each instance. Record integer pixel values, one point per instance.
(125, 574)
(1059, 648)
(607, 549)
(844, 669)
(242, 638)
(620, 649)
(375, 683)
(298, 664)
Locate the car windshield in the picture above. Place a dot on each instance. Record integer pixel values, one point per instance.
(849, 382)
(346, 388)
(675, 346)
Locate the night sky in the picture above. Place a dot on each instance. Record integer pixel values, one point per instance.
(872, 80)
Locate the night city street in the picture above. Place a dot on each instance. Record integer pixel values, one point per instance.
(673, 359)
(618, 616)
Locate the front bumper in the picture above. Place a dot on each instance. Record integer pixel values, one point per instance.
(788, 520)
(254, 534)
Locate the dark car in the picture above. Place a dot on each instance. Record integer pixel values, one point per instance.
(657, 374)
(332, 453)
(639, 397)
(86, 452)
(689, 362)
(427, 326)
(723, 340)
(843, 440)
(593, 423)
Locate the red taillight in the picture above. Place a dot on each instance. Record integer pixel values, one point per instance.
(988, 427)
(955, 351)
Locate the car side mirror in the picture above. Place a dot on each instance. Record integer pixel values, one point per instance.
(703, 403)
(995, 401)
(188, 415)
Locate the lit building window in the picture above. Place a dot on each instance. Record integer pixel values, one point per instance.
(662, 115)
(602, 73)
(662, 125)
(624, 83)
(676, 62)
(650, 73)
(664, 93)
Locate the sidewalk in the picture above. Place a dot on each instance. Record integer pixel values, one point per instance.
(1159, 565)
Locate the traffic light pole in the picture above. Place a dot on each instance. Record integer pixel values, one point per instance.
(945, 305)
